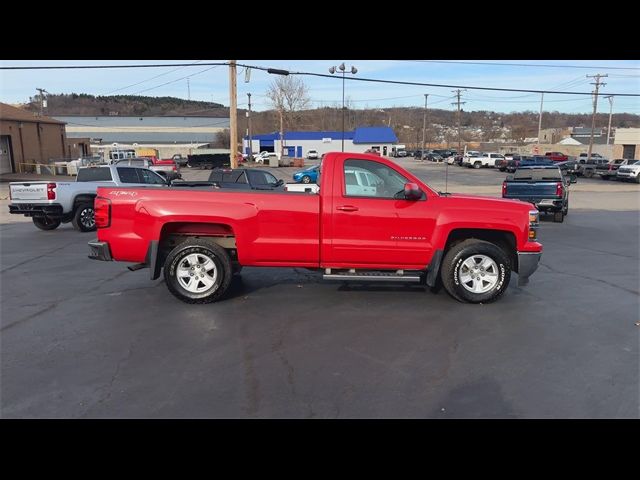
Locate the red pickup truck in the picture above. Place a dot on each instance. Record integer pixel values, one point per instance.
(370, 221)
(556, 156)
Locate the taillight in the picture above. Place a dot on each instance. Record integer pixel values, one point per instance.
(102, 212)
(174, 168)
(504, 188)
(51, 191)
(534, 221)
(559, 189)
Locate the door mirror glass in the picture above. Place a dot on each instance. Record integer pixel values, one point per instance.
(412, 191)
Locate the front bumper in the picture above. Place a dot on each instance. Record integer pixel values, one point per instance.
(100, 251)
(620, 174)
(527, 264)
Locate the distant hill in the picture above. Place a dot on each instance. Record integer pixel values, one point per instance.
(84, 104)
(406, 121)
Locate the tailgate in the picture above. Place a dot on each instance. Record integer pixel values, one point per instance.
(29, 191)
(531, 190)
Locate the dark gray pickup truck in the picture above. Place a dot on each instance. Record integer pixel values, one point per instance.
(545, 187)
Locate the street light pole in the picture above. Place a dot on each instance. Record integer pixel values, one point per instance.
(424, 123)
(343, 69)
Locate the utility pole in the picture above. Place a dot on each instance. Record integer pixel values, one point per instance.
(540, 120)
(610, 98)
(424, 123)
(595, 108)
(250, 152)
(458, 102)
(188, 90)
(233, 114)
(42, 92)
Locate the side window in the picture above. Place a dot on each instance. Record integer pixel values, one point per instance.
(128, 175)
(234, 177)
(257, 178)
(149, 177)
(271, 180)
(366, 178)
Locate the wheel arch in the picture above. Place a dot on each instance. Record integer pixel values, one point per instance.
(83, 198)
(504, 239)
(173, 234)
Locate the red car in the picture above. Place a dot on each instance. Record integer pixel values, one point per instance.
(370, 221)
(557, 156)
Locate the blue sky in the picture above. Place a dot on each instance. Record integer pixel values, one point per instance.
(211, 84)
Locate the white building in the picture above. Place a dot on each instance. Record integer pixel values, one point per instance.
(298, 144)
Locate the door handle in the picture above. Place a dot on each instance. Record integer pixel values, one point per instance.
(347, 208)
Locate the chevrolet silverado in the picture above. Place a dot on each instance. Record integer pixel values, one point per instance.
(395, 229)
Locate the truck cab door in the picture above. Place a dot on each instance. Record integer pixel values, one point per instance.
(372, 224)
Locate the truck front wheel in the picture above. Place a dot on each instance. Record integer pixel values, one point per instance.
(198, 271)
(46, 223)
(475, 271)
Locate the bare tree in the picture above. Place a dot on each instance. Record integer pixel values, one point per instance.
(223, 139)
(288, 95)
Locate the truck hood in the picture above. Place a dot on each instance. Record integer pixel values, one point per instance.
(486, 202)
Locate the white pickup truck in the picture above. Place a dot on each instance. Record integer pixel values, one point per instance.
(51, 203)
(482, 160)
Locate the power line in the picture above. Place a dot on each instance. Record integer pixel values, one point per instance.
(526, 64)
(176, 80)
(76, 67)
(440, 85)
(148, 79)
(353, 79)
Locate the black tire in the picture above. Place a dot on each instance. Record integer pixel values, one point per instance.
(477, 165)
(453, 263)
(306, 179)
(605, 177)
(199, 247)
(588, 173)
(46, 223)
(565, 208)
(84, 218)
(638, 179)
(558, 217)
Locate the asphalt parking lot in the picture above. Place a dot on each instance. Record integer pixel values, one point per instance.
(86, 339)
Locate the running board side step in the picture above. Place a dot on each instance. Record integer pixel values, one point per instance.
(398, 276)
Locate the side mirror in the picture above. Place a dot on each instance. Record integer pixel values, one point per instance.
(412, 191)
(279, 183)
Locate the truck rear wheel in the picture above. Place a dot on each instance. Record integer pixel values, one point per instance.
(46, 223)
(558, 217)
(198, 271)
(84, 218)
(475, 271)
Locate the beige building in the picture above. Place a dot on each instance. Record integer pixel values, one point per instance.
(27, 139)
(626, 143)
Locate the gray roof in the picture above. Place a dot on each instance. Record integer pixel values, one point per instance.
(596, 140)
(586, 131)
(118, 121)
(145, 137)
